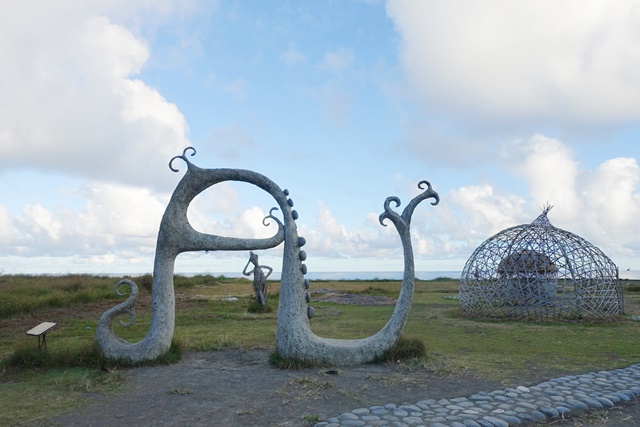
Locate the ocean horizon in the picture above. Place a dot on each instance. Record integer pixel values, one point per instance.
(320, 275)
(362, 275)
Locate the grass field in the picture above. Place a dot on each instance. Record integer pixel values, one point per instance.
(207, 320)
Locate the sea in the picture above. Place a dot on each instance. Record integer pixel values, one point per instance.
(384, 275)
(359, 275)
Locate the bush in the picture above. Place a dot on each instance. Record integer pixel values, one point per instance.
(257, 308)
(145, 281)
(30, 357)
(290, 363)
(87, 357)
(406, 349)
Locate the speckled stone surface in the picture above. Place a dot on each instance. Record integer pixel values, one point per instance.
(294, 337)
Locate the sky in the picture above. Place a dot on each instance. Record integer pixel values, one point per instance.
(503, 106)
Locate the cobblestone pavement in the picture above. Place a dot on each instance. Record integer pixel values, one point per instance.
(553, 399)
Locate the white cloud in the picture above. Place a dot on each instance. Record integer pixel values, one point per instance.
(292, 55)
(338, 61)
(567, 62)
(8, 233)
(237, 89)
(612, 194)
(124, 215)
(117, 226)
(40, 223)
(113, 218)
(370, 240)
(243, 223)
(551, 173)
(487, 211)
(465, 217)
(601, 205)
(70, 103)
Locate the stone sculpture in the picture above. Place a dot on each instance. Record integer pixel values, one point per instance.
(259, 278)
(294, 338)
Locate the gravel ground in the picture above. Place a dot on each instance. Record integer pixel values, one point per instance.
(240, 388)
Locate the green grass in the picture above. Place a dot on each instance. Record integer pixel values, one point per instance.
(28, 294)
(205, 320)
(406, 349)
(51, 392)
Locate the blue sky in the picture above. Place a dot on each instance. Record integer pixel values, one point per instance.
(503, 106)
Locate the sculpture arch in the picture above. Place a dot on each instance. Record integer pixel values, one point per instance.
(294, 338)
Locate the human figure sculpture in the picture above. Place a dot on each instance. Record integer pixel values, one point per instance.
(294, 337)
(259, 279)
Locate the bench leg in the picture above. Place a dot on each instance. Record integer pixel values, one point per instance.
(42, 343)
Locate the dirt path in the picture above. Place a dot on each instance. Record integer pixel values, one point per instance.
(236, 388)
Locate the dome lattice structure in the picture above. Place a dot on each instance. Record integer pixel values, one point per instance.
(539, 272)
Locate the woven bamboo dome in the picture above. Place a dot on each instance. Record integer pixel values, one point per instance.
(539, 272)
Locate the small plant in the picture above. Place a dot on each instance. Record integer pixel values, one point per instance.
(304, 389)
(256, 308)
(330, 372)
(145, 281)
(406, 349)
(90, 381)
(85, 357)
(30, 357)
(310, 418)
(290, 363)
(173, 355)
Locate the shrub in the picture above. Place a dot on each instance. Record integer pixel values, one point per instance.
(406, 349)
(257, 308)
(290, 363)
(145, 281)
(87, 357)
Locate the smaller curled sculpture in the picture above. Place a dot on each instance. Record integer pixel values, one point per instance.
(260, 285)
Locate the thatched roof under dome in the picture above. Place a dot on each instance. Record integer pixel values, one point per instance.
(526, 261)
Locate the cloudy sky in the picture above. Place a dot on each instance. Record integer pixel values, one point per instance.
(503, 106)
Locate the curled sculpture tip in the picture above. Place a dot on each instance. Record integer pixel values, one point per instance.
(387, 202)
(133, 296)
(132, 318)
(265, 220)
(388, 210)
(429, 191)
(183, 156)
(422, 183)
(133, 288)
